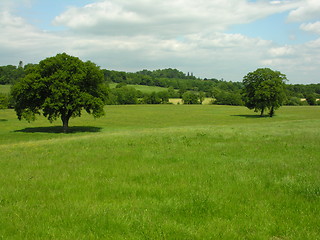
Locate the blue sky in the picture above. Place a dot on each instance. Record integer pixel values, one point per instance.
(41, 13)
(276, 28)
(211, 38)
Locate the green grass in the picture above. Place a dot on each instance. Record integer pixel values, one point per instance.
(143, 88)
(162, 172)
(5, 88)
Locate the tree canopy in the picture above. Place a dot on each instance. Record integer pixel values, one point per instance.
(264, 89)
(10, 74)
(224, 92)
(60, 87)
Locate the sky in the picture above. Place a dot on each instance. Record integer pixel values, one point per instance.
(222, 39)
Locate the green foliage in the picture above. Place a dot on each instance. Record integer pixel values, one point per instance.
(190, 98)
(152, 98)
(226, 98)
(171, 78)
(301, 90)
(264, 89)
(10, 74)
(156, 98)
(4, 101)
(60, 87)
(5, 89)
(114, 76)
(311, 99)
(122, 95)
(293, 101)
(166, 73)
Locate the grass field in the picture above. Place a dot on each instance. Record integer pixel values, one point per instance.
(143, 88)
(162, 172)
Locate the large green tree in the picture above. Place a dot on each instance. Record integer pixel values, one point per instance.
(264, 89)
(60, 87)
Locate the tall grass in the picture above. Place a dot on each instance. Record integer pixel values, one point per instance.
(163, 172)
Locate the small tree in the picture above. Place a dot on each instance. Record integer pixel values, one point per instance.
(311, 99)
(152, 98)
(264, 89)
(190, 98)
(60, 87)
(164, 96)
(4, 101)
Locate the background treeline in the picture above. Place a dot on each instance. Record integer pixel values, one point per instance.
(175, 84)
(187, 86)
(180, 85)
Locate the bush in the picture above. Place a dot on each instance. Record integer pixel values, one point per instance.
(153, 98)
(311, 99)
(190, 98)
(226, 98)
(293, 101)
(4, 101)
(123, 95)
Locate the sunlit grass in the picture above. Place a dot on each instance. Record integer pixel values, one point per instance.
(143, 88)
(162, 172)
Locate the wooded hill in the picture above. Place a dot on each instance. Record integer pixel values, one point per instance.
(176, 84)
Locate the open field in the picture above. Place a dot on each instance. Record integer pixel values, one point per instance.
(142, 88)
(162, 172)
(179, 101)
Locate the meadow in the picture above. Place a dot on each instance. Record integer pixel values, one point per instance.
(142, 88)
(162, 172)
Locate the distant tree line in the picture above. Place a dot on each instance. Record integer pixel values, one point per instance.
(123, 94)
(170, 78)
(180, 85)
(10, 74)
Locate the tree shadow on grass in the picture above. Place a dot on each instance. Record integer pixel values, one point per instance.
(251, 116)
(59, 129)
(3, 120)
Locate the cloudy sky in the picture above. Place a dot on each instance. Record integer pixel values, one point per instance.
(211, 38)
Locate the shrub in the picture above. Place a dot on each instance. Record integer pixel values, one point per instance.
(311, 99)
(293, 101)
(4, 101)
(190, 98)
(226, 98)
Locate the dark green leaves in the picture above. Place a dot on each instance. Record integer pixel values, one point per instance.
(60, 87)
(264, 89)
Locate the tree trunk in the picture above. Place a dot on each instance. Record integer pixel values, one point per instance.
(65, 123)
(262, 111)
(271, 112)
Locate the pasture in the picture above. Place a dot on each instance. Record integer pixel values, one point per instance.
(162, 172)
(142, 88)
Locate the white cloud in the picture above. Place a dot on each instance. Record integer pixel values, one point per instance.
(21, 39)
(95, 14)
(307, 10)
(311, 27)
(299, 62)
(184, 34)
(282, 51)
(166, 17)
